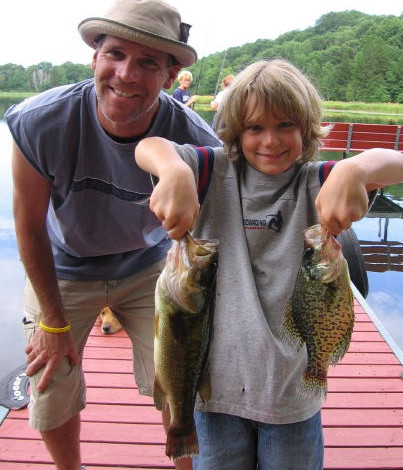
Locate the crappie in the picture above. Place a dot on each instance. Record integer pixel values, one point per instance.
(182, 333)
(320, 311)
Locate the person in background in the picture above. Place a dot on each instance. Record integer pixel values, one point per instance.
(264, 188)
(84, 236)
(182, 94)
(226, 82)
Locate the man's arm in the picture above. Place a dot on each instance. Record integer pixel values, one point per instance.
(30, 203)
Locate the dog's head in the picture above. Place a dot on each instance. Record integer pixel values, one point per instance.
(109, 323)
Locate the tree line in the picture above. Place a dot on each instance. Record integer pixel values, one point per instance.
(350, 56)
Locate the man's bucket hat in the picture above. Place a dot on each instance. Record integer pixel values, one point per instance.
(153, 23)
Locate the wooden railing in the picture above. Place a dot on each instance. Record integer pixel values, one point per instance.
(381, 256)
(356, 137)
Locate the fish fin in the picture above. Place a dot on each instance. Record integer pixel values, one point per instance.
(205, 389)
(289, 331)
(181, 441)
(342, 348)
(160, 399)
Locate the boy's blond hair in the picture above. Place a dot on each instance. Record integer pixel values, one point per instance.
(185, 73)
(278, 87)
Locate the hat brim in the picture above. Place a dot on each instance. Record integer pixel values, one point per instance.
(91, 28)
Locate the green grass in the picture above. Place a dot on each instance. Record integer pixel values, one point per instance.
(384, 108)
(377, 113)
(15, 95)
(336, 111)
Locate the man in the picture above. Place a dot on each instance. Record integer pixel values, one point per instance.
(84, 236)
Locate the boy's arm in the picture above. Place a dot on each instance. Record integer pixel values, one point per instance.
(174, 199)
(343, 198)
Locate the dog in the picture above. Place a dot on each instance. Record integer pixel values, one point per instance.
(109, 322)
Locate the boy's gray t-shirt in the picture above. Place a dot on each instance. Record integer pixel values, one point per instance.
(97, 229)
(259, 221)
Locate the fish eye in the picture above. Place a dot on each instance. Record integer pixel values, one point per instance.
(309, 251)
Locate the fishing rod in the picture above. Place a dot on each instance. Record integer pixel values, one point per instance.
(199, 77)
(200, 70)
(219, 75)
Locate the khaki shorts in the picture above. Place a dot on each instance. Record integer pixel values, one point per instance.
(132, 298)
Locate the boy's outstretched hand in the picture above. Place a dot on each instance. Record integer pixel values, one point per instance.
(343, 198)
(175, 201)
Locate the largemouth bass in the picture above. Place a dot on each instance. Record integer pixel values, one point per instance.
(182, 334)
(320, 312)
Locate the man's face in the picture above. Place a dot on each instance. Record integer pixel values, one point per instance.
(128, 78)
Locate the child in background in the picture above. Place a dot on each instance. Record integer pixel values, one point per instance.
(259, 193)
(182, 94)
(226, 82)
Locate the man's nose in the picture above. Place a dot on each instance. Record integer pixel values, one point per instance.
(127, 70)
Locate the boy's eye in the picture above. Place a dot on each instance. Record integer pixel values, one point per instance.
(285, 124)
(253, 128)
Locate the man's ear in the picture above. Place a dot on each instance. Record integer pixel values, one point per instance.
(94, 60)
(173, 73)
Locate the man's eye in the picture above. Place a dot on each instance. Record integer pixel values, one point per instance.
(149, 63)
(116, 55)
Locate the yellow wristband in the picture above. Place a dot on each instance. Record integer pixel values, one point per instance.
(48, 329)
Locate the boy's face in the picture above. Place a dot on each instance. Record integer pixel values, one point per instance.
(185, 82)
(269, 144)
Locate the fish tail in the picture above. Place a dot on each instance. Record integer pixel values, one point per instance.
(313, 385)
(181, 441)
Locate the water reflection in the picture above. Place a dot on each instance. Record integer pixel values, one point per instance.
(385, 288)
(11, 271)
(381, 240)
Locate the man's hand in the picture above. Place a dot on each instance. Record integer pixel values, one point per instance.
(47, 350)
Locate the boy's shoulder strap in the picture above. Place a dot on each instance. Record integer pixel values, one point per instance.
(325, 169)
(206, 165)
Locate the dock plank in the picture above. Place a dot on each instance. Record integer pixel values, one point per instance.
(362, 415)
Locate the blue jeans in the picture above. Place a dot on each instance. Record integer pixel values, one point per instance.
(232, 443)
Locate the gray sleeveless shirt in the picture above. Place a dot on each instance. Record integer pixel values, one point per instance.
(96, 228)
(259, 221)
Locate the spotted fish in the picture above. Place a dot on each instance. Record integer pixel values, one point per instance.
(320, 312)
(182, 334)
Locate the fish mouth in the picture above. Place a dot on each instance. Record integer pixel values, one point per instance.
(191, 258)
(323, 255)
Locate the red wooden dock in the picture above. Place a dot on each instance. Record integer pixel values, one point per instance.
(362, 416)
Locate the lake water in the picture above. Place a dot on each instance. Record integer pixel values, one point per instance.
(385, 288)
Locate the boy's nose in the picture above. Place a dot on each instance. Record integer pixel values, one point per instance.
(270, 137)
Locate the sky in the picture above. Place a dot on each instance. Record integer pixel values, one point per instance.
(46, 30)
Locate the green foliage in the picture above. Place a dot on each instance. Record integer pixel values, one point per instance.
(42, 76)
(349, 55)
